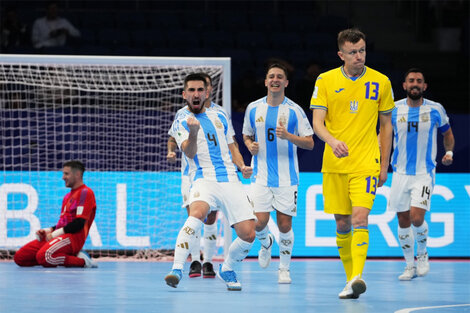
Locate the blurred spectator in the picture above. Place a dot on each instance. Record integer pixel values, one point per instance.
(304, 87)
(14, 32)
(246, 89)
(52, 30)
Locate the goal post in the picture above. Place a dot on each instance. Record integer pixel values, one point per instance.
(113, 113)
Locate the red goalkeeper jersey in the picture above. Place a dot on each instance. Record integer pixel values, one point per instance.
(78, 203)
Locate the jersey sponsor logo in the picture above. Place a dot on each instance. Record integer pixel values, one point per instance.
(353, 106)
(259, 120)
(402, 120)
(80, 210)
(339, 90)
(361, 244)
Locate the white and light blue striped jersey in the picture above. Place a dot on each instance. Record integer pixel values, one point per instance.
(276, 163)
(213, 160)
(184, 161)
(415, 136)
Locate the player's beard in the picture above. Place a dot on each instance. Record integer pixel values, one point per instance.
(414, 96)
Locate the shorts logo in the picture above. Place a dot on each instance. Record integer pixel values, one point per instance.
(188, 230)
(424, 202)
(196, 194)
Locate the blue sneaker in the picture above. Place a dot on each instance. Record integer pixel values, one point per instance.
(230, 278)
(174, 277)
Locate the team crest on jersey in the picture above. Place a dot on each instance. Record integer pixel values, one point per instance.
(282, 120)
(218, 124)
(353, 106)
(424, 118)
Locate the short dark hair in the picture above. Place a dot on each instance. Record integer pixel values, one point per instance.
(194, 76)
(278, 65)
(206, 76)
(414, 70)
(75, 165)
(350, 35)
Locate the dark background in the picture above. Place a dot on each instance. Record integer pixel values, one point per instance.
(431, 35)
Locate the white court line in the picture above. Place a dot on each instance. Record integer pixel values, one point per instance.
(408, 310)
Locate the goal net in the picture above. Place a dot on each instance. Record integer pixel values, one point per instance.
(112, 113)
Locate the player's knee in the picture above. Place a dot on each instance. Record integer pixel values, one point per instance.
(41, 259)
(417, 221)
(19, 259)
(248, 236)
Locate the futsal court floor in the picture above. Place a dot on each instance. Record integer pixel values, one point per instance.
(126, 286)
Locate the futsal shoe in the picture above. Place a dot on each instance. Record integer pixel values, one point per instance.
(208, 270)
(353, 288)
(88, 261)
(409, 273)
(230, 279)
(264, 254)
(173, 278)
(195, 269)
(423, 264)
(284, 276)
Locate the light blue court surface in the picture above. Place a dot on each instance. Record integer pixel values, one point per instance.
(139, 287)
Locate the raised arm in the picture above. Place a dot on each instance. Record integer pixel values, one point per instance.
(189, 146)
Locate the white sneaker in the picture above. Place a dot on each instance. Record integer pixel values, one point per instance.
(423, 264)
(264, 254)
(409, 273)
(88, 261)
(353, 288)
(284, 276)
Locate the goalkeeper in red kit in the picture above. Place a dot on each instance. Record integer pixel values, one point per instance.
(61, 244)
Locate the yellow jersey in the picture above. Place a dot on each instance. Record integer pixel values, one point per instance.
(352, 106)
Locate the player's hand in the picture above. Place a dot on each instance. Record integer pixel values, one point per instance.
(447, 160)
(171, 157)
(382, 178)
(49, 237)
(193, 125)
(254, 148)
(41, 234)
(281, 131)
(247, 171)
(340, 149)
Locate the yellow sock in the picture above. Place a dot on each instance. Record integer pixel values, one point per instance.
(343, 241)
(359, 246)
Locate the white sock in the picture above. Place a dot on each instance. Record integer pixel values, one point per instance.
(407, 243)
(263, 237)
(236, 253)
(195, 249)
(210, 241)
(286, 243)
(421, 236)
(185, 240)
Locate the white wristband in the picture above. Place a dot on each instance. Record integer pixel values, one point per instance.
(57, 232)
(450, 153)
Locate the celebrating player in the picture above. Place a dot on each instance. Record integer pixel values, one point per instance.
(415, 122)
(210, 226)
(273, 128)
(346, 103)
(202, 134)
(61, 244)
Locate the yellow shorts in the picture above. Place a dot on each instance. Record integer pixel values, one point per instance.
(342, 192)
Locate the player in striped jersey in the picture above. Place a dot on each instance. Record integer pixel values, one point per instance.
(61, 243)
(416, 121)
(210, 226)
(347, 102)
(273, 128)
(202, 134)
